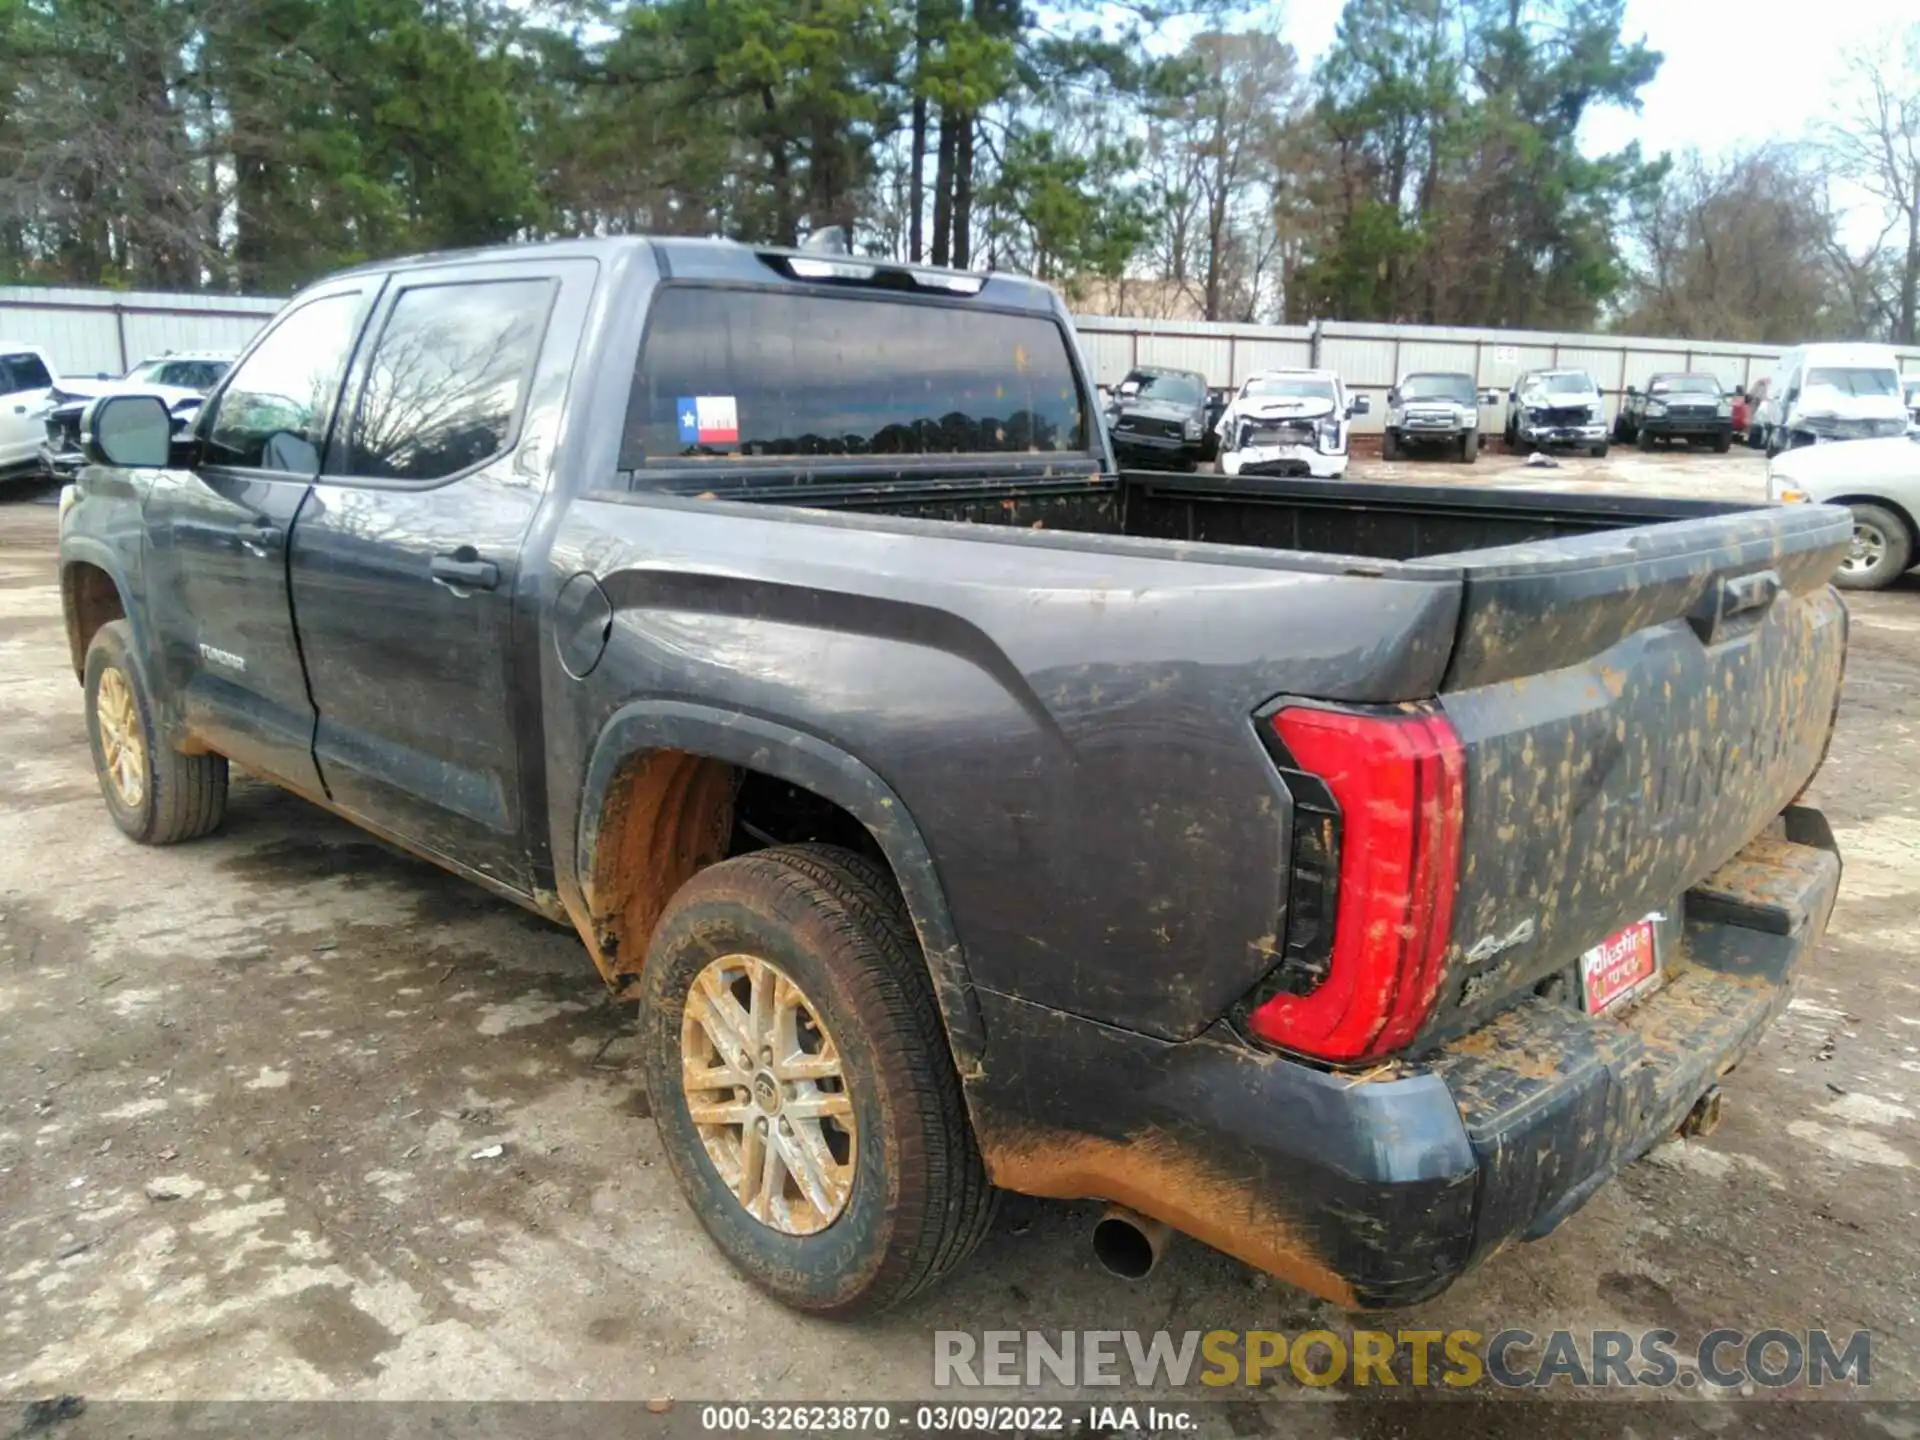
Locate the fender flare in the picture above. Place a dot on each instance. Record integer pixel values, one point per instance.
(802, 759)
(87, 550)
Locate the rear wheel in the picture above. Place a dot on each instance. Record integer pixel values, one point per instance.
(153, 792)
(1881, 552)
(801, 1081)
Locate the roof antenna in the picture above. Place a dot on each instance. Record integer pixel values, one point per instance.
(831, 240)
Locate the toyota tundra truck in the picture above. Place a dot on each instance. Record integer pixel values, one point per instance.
(1351, 876)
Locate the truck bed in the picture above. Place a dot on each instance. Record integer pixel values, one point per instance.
(1639, 684)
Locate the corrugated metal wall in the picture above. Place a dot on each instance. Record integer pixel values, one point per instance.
(1371, 357)
(89, 332)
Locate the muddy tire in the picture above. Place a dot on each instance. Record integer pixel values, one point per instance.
(153, 792)
(1389, 444)
(1882, 550)
(862, 1186)
(1645, 440)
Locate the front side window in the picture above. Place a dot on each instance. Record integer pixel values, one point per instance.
(447, 379)
(775, 373)
(23, 371)
(274, 415)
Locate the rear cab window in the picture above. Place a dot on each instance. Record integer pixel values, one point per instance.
(732, 379)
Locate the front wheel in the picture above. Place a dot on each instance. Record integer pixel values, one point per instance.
(1470, 447)
(1389, 444)
(801, 1081)
(1722, 443)
(1880, 553)
(153, 792)
(1599, 452)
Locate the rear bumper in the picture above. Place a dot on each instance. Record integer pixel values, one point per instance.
(1380, 1189)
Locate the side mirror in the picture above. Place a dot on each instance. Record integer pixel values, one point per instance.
(1393, 396)
(128, 430)
(1358, 406)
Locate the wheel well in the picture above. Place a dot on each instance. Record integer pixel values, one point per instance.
(1882, 503)
(669, 814)
(91, 599)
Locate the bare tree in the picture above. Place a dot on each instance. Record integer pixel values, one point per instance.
(1876, 145)
(1215, 161)
(1745, 248)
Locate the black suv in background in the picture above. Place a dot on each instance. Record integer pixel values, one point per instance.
(1164, 419)
(1677, 406)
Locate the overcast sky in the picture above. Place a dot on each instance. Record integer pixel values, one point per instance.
(1734, 73)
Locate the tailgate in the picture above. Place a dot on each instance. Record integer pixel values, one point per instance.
(1634, 706)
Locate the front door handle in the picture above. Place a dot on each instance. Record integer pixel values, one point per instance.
(464, 570)
(262, 538)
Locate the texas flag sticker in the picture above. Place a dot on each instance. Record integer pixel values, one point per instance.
(708, 420)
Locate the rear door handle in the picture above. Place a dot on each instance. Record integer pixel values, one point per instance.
(463, 570)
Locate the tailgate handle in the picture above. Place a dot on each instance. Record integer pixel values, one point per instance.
(1728, 597)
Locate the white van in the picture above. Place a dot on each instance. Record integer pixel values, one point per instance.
(1834, 392)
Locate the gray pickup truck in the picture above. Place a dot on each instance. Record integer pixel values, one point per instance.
(1351, 876)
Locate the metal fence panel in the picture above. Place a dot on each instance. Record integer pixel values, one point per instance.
(90, 332)
(1109, 355)
(1211, 355)
(1251, 356)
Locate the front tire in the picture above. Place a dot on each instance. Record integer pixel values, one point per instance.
(1599, 452)
(1882, 550)
(1470, 447)
(1389, 444)
(154, 793)
(800, 1077)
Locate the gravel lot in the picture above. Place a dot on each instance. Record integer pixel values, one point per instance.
(305, 1040)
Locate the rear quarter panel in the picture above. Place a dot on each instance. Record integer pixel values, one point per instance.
(1068, 719)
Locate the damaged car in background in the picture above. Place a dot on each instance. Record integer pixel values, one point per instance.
(1677, 407)
(1434, 410)
(181, 381)
(1162, 419)
(1289, 422)
(1556, 408)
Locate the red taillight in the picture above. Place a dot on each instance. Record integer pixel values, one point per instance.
(1399, 783)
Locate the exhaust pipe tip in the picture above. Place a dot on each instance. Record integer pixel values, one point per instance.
(1128, 1243)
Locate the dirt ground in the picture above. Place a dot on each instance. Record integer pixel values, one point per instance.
(285, 1114)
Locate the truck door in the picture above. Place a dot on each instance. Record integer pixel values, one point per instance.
(417, 622)
(25, 385)
(217, 539)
